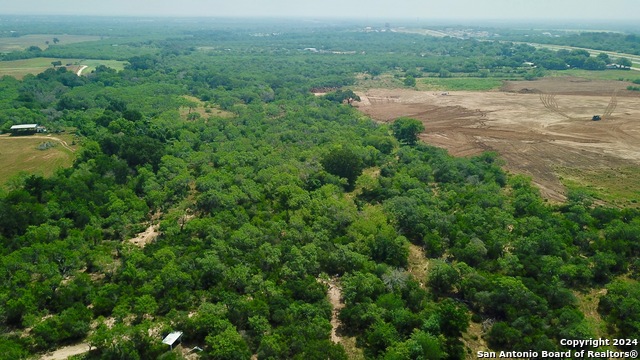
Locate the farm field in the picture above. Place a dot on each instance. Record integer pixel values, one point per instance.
(9, 44)
(454, 84)
(21, 154)
(20, 68)
(533, 139)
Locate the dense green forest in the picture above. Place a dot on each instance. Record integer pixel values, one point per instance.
(261, 205)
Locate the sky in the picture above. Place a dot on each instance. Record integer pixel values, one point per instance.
(603, 10)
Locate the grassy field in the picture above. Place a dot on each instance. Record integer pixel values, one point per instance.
(40, 40)
(93, 64)
(20, 68)
(460, 83)
(202, 109)
(616, 186)
(21, 155)
(619, 75)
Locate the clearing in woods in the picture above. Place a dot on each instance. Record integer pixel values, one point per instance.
(20, 68)
(67, 352)
(195, 108)
(21, 154)
(535, 126)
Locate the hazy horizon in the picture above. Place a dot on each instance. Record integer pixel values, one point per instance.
(508, 10)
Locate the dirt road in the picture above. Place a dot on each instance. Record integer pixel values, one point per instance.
(62, 142)
(67, 351)
(335, 295)
(81, 69)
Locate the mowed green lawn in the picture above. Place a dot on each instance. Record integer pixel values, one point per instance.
(21, 154)
(9, 44)
(20, 68)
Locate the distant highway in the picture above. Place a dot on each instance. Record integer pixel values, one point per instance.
(635, 59)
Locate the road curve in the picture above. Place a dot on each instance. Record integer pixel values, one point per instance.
(62, 142)
(81, 69)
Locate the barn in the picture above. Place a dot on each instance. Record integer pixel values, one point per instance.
(27, 129)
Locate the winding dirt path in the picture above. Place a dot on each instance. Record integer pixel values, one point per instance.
(334, 294)
(67, 351)
(62, 142)
(81, 69)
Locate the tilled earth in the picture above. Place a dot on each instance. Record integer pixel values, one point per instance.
(535, 126)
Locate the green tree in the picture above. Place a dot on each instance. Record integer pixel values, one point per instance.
(625, 63)
(409, 81)
(442, 277)
(593, 63)
(604, 57)
(406, 130)
(345, 163)
(228, 345)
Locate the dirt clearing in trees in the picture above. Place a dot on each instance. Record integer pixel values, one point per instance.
(518, 123)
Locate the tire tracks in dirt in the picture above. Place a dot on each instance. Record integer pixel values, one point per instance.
(62, 142)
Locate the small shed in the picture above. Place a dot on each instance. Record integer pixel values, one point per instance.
(172, 338)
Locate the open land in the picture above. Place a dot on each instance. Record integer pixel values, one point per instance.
(21, 154)
(9, 44)
(540, 128)
(20, 68)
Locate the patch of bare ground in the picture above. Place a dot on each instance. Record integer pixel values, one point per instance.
(531, 138)
(473, 341)
(335, 298)
(353, 352)
(67, 351)
(588, 305)
(418, 264)
(145, 237)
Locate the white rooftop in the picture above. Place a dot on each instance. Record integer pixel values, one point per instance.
(24, 126)
(172, 338)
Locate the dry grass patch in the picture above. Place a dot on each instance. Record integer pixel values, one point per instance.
(195, 108)
(619, 186)
(20, 154)
(418, 264)
(353, 352)
(588, 305)
(9, 44)
(473, 341)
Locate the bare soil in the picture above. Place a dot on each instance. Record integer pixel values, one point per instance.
(67, 351)
(532, 135)
(335, 298)
(146, 236)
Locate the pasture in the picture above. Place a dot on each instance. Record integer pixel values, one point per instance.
(9, 44)
(20, 154)
(20, 68)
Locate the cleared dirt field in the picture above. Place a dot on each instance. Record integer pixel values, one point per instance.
(537, 127)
